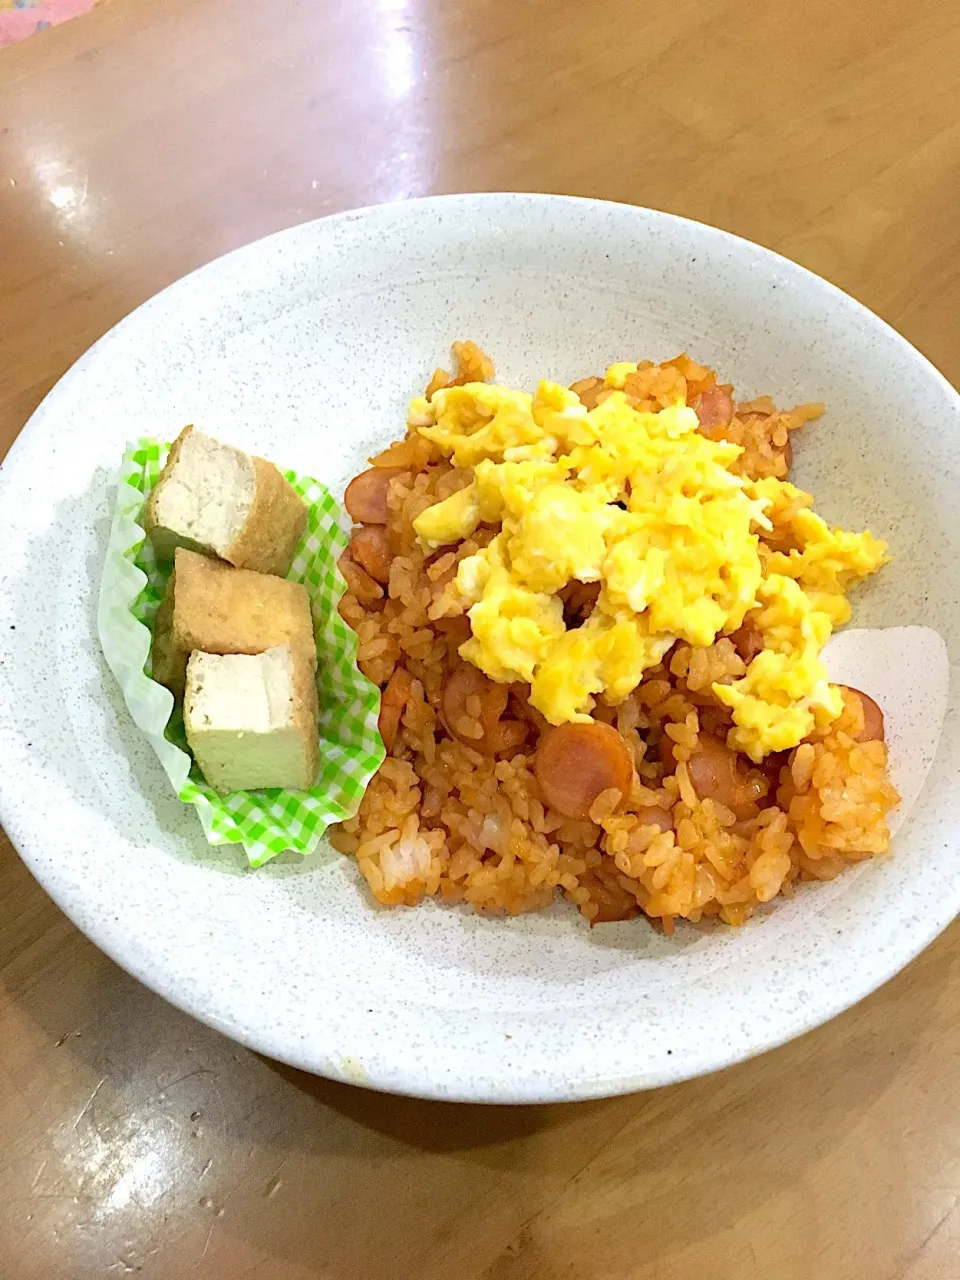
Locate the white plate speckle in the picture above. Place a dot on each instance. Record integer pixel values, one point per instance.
(305, 347)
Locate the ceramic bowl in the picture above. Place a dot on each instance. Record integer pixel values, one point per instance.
(305, 348)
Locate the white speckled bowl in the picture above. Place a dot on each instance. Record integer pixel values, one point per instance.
(305, 347)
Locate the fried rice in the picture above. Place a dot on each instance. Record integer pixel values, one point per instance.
(456, 811)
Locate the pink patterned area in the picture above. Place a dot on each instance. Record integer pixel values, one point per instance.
(25, 18)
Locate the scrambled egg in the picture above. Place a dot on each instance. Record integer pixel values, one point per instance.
(682, 549)
(785, 694)
(513, 628)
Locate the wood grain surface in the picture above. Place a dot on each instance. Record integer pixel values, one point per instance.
(140, 141)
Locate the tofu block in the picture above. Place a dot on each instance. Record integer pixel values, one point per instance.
(251, 721)
(215, 608)
(168, 664)
(222, 502)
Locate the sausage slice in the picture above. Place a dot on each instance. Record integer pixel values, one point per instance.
(392, 704)
(873, 727)
(714, 408)
(366, 495)
(576, 762)
(370, 548)
(718, 774)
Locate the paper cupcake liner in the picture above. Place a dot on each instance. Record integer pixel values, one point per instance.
(265, 822)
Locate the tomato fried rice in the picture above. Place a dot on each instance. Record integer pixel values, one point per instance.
(478, 800)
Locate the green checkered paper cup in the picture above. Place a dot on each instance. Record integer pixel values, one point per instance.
(264, 822)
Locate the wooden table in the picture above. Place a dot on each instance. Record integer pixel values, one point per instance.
(139, 142)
